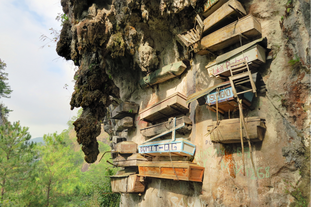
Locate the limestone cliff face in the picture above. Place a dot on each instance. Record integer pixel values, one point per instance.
(116, 43)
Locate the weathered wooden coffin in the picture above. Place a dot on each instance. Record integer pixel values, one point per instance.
(176, 170)
(130, 161)
(248, 26)
(179, 147)
(126, 147)
(170, 106)
(211, 6)
(228, 131)
(127, 183)
(164, 126)
(226, 100)
(253, 53)
(228, 10)
(163, 74)
(125, 109)
(125, 123)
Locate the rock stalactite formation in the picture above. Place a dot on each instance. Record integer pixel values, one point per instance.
(116, 43)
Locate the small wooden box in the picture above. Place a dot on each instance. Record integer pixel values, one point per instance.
(172, 105)
(130, 161)
(176, 170)
(126, 147)
(126, 183)
(125, 109)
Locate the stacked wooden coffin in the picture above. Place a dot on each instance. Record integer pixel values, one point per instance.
(124, 153)
(226, 24)
(162, 142)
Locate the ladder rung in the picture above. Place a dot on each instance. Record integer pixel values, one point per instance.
(237, 68)
(239, 83)
(244, 91)
(240, 75)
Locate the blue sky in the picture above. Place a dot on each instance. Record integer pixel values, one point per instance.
(36, 75)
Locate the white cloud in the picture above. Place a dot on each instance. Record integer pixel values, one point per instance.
(36, 76)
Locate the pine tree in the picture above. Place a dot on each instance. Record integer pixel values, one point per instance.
(57, 174)
(5, 89)
(17, 160)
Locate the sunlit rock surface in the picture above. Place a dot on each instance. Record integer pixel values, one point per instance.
(116, 43)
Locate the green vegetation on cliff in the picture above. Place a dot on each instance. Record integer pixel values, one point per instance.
(51, 174)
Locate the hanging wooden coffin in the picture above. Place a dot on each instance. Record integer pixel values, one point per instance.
(211, 6)
(130, 161)
(228, 130)
(226, 100)
(125, 123)
(225, 12)
(163, 74)
(171, 106)
(164, 126)
(179, 147)
(247, 26)
(176, 170)
(253, 54)
(126, 147)
(125, 109)
(127, 183)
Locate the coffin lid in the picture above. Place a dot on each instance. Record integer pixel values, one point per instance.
(123, 175)
(137, 156)
(204, 92)
(228, 55)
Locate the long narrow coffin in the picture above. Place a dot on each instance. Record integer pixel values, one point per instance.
(125, 109)
(247, 26)
(164, 126)
(127, 183)
(131, 161)
(176, 170)
(171, 106)
(163, 74)
(211, 6)
(253, 53)
(228, 10)
(228, 130)
(179, 147)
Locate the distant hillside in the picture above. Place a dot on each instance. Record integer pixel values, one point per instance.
(37, 140)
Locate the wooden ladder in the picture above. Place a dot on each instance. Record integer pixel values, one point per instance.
(241, 74)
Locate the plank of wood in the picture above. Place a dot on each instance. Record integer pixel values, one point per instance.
(211, 6)
(125, 123)
(227, 10)
(228, 131)
(125, 109)
(163, 74)
(156, 129)
(168, 107)
(130, 161)
(228, 35)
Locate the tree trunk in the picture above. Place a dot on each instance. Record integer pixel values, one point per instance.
(3, 183)
(48, 193)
